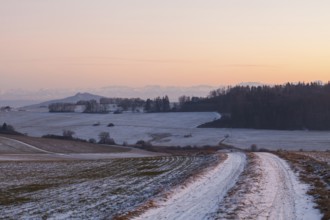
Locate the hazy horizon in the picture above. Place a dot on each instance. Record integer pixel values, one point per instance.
(91, 44)
(19, 97)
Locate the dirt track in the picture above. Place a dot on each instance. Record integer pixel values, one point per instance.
(269, 190)
(200, 199)
(274, 193)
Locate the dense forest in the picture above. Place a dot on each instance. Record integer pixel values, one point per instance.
(283, 107)
(158, 105)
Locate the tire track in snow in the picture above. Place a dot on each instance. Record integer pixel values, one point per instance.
(271, 191)
(283, 196)
(277, 200)
(200, 199)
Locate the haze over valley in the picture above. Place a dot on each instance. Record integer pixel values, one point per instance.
(165, 109)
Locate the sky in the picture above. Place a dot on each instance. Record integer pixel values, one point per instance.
(84, 43)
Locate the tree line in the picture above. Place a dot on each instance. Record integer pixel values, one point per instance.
(159, 104)
(125, 103)
(61, 107)
(282, 107)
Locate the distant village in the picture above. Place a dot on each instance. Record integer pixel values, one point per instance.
(115, 105)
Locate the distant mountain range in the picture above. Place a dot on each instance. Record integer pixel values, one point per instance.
(19, 98)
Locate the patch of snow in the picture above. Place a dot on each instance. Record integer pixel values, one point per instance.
(131, 127)
(277, 194)
(200, 198)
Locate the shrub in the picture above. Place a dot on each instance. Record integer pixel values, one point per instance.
(187, 135)
(68, 134)
(61, 137)
(92, 140)
(111, 125)
(8, 129)
(142, 143)
(188, 147)
(254, 148)
(105, 138)
(110, 141)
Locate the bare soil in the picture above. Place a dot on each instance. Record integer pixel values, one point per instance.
(62, 146)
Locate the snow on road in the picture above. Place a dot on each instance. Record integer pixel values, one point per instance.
(201, 198)
(275, 193)
(282, 195)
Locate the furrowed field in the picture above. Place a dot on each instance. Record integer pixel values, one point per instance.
(93, 189)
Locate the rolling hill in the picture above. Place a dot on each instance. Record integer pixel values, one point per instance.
(71, 99)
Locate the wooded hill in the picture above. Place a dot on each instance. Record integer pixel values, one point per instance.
(282, 107)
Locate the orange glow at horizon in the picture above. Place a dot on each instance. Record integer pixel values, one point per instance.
(63, 44)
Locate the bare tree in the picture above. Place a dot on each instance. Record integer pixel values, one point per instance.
(68, 133)
(254, 148)
(105, 138)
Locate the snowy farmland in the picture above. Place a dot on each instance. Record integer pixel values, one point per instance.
(162, 129)
(91, 189)
(49, 181)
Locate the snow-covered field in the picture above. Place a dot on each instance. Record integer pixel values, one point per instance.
(90, 189)
(103, 186)
(163, 129)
